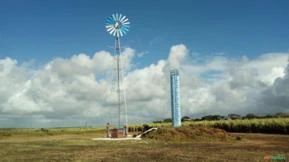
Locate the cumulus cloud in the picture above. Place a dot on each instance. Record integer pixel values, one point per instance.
(177, 55)
(72, 91)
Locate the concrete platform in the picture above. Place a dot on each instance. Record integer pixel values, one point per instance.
(138, 137)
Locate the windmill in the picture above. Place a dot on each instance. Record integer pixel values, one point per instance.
(117, 25)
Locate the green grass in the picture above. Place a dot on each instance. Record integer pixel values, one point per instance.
(273, 125)
(34, 132)
(70, 145)
(270, 125)
(75, 144)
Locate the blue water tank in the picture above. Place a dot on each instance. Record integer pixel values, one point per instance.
(175, 98)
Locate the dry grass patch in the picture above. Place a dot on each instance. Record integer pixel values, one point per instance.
(188, 133)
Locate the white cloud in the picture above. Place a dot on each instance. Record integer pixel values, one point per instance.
(67, 92)
(141, 54)
(177, 55)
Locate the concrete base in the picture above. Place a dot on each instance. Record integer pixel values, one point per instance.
(129, 137)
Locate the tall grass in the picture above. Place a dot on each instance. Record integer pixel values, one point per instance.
(270, 125)
(275, 125)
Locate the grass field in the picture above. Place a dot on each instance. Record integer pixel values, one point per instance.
(75, 144)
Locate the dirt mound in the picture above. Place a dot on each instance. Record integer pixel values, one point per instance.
(188, 133)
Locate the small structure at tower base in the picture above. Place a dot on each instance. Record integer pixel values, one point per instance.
(118, 133)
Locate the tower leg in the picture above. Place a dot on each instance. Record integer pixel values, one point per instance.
(117, 48)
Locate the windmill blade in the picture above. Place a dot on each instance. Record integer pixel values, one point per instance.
(109, 26)
(120, 31)
(125, 20)
(126, 23)
(111, 32)
(109, 20)
(121, 20)
(114, 17)
(114, 32)
(119, 17)
(109, 29)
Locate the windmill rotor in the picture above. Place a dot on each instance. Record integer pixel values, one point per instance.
(117, 25)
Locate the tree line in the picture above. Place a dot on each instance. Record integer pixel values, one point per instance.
(228, 117)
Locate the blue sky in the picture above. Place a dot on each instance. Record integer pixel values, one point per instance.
(42, 30)
(38, 87)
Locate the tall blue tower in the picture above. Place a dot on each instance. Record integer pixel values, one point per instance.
(175, 98)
